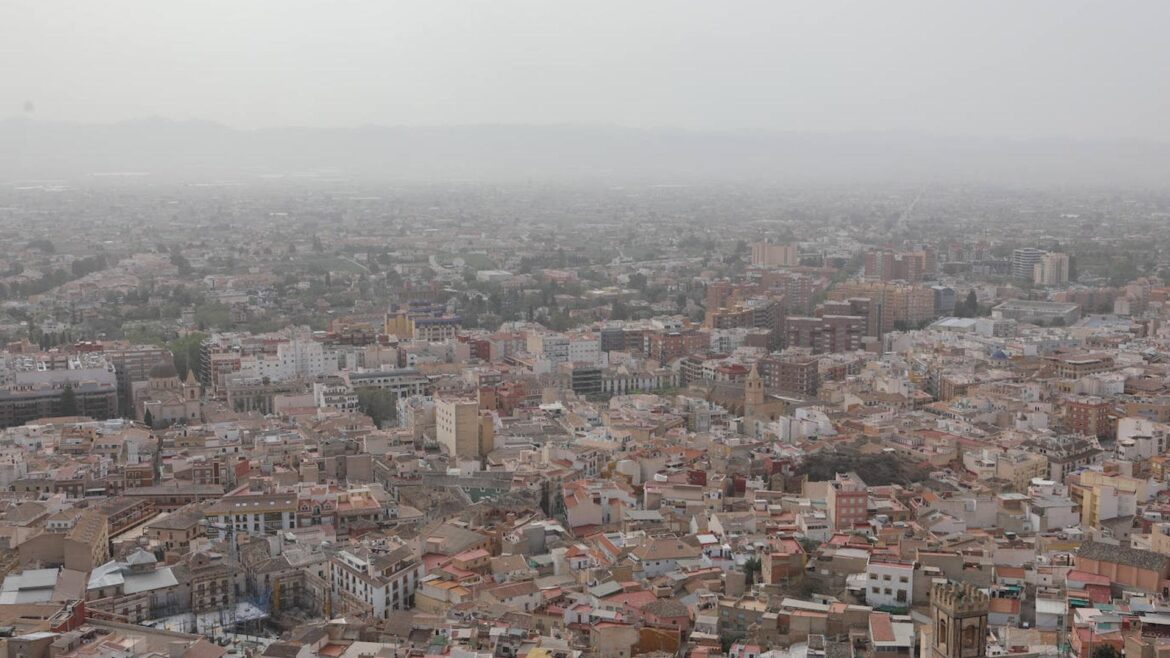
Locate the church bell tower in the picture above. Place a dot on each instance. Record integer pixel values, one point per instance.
(959, 615)
(753, 391)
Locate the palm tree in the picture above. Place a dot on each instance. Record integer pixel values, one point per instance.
(753, 566)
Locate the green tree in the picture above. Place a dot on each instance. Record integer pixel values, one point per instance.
(44, 245)
(180, 261)
(620, 311)
(970, 306)
(810, 546)
(751, 567)
(148, 418)
(186, 351)
(68, 401)
(211, 315)
(875, 470)
(1105, 651)
(378, 404)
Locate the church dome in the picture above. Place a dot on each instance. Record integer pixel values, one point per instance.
(164, 369)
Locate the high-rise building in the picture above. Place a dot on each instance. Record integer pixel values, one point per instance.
(720, 294)
(944, 300)
(793, 374)
(760, 312)
(1051, 270)
(887, 265)
(1024, 262)
(131, 364)
(460, 429)
(891, 305)
(766, 254)
(879, 265)
(665, 346)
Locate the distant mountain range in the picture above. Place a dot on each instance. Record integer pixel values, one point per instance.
(191, 151)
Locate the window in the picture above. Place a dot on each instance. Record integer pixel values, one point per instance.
(969, 636)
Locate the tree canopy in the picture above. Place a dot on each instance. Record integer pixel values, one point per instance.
(186, 352)
(378, 404)
(876, 470)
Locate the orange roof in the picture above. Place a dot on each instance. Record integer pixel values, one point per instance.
(634, 600)
(1076, 575)
(881, 629)
(1005, 606)
(1011, 572)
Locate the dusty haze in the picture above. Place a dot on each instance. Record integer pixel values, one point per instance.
(1035, 92)
(1002, 68)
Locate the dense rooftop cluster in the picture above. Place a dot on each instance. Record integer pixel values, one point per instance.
(418, 423)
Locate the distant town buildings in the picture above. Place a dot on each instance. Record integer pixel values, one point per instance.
(766, 254)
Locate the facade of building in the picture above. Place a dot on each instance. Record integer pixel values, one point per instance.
(796, 375)
(847, 501)
(83, 384)
(825, 334)
(958, 627)
(460, 429)
(402, 382)
(1024, 262)
(889, 583)
(1051, 270)
(766, 254)
(132, 363)
(375, 581)
(1034, 312)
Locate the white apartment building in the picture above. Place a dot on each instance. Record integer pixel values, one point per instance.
(375, 581)
(336, 396)
(889, 584)
(298, 358)
(566, 348)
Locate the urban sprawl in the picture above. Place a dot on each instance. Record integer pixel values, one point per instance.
(345, 421)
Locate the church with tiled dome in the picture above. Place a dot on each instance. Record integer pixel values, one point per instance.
(164, 399)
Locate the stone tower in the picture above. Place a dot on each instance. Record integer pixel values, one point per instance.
(753, 391)
(959, 614)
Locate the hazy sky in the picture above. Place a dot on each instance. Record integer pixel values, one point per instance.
(986, 67)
